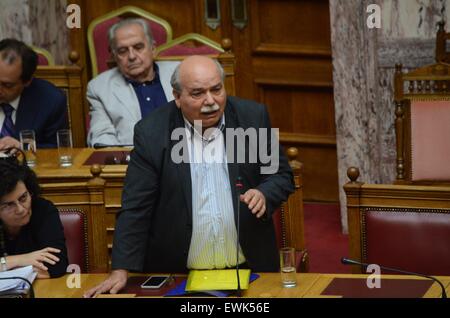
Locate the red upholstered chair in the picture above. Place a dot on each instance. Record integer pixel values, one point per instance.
(189, 44)
(75, 230)
(400, 226)
(422, 100)
(44, 56)
(83, 198)
(288, 219)
(98, 34)
(192, 43)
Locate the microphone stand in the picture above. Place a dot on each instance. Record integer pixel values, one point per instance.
(239, 188)
(347, 261)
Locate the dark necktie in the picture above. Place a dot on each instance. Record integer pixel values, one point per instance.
(8, 125)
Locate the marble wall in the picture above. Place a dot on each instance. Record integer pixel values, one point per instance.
(38, 22)
(363, 68)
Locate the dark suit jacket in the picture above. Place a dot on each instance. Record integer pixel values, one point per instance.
(42, 108)
(154, 228)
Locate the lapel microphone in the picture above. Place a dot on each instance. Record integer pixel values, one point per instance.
(239, 187)
(347, 261)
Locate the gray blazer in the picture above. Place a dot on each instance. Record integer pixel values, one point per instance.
(114, 106)
(154, 227)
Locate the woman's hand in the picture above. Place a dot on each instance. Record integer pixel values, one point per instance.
(36, 259)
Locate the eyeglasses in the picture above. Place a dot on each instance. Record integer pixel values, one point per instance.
(12, 206)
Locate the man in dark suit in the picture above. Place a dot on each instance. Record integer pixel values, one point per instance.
(179, 204)
(27, 103)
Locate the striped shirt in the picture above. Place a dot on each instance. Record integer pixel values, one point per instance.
(213, 243)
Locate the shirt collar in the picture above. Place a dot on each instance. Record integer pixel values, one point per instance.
(15, 103)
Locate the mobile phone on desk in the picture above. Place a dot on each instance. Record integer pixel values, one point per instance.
(155, 282)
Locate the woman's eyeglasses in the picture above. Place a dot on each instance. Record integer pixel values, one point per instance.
(12, 206)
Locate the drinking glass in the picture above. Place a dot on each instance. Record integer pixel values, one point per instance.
(64, 139)
(28, 145)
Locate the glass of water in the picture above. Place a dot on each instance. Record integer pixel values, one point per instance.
(28, 145)
(64, 139)
(287, 267)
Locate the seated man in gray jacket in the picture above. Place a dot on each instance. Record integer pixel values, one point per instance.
(120, 97)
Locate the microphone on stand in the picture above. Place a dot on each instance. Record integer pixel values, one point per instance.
(239, 187)
(347, 261)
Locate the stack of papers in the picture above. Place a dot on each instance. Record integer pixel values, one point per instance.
(9, 285)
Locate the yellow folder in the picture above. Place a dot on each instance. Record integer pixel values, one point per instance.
(218, 279)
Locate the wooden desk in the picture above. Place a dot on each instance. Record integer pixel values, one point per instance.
(48, 169)
(51, 177)
(268, 285)
(324, 281)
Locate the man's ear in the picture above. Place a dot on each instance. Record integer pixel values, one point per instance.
(176, 94)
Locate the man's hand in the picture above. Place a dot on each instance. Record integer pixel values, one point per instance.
(255, 201)
(8, 142)
(113, 284)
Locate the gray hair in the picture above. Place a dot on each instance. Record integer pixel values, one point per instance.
(125, 22)
(175, 78)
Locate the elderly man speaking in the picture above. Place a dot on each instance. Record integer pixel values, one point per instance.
(182, 215)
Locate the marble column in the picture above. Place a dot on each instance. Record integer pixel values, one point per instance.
(14, 20)
(50, 33)
(363, 68)
(40, 23)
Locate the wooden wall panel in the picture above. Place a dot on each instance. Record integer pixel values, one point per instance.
(320, 172)
(302, 116)
(290, 70)
(300, 109)
(291, 27)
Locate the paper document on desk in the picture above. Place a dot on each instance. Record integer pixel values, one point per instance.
(17, 284)
(222, 279)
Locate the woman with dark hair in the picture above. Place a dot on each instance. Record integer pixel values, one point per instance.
(31, 232)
